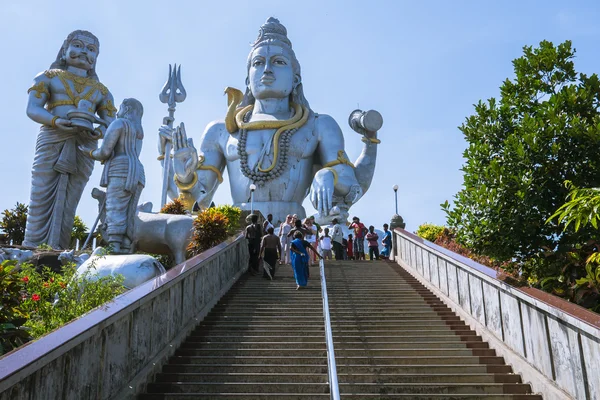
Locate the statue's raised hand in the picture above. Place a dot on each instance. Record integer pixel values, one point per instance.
(321, 191)
(185, 155)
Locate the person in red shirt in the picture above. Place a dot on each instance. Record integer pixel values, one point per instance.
(359, 238)
(349, 248)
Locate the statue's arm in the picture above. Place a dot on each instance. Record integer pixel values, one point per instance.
(199, 172)
(111, 138)
(331, 143)
(39, 94)
(212, 157)
(107, 111)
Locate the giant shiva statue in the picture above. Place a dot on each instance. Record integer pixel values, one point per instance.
(271, 138)
(66, 99)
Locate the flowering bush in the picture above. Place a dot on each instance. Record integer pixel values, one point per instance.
(53, 299)
(12, 317)
(233, 214)
(210, 229)
(35, 303)
(429, 231)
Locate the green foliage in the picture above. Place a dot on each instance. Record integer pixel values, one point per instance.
(210, 229)
(581, 208)
(79, 230)
(447, 238)
(174, 207)
(582, 284)
(232, 213)
(429, 231)
(12, 316)
(27, 308)
(544, 129)
(13, 223)
(82, 295)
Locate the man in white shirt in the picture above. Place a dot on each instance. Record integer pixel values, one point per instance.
(337, 237)
(325, 241)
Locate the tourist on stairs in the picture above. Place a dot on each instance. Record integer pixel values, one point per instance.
(270, 252)
(300, 259)
(387, 242)
(372, 238)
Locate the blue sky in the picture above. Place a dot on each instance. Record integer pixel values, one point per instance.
(421, 64)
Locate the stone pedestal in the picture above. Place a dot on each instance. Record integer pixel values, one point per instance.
(397, 222)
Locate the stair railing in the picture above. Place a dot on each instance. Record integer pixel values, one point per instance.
(334, 389)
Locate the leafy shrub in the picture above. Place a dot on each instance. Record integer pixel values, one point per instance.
(13, 223)
(210, 229)
(429, 231)
(447, 239)
(233, 214)
(79, 230)
(576, 273)
(12, 317)
(174, 207)
(41, 289)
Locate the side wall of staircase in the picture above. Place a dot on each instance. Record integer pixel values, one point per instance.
(553, 344)
(110, 352)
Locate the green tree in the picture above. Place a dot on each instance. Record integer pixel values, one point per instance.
(79, 231)
(13, 223)
(544, 129)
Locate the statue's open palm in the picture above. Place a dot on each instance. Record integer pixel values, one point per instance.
(185, 155)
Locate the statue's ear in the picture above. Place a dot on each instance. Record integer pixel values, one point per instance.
(297, 79)
(248, 82)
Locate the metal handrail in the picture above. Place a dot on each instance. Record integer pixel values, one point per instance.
(334, 389)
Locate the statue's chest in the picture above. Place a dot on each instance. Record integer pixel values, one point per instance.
(266, 144)
(74, 91)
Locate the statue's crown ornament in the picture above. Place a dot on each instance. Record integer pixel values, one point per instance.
(271, 31)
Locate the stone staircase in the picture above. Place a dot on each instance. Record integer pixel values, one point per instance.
(263, 340)
(393, 340)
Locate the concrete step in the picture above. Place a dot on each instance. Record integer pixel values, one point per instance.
(360, 369)
(309, 396)
(339, 345)
(245, 360)
(299, 387)
(237, 368)
(273, 377)
(320, 377)
(237, 387)
(256, 338)
(419, 360)
(437, 388)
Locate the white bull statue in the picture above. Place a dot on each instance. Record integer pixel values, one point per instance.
(156, 233)
(135, 268)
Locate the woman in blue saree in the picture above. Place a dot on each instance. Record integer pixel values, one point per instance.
(300, 259)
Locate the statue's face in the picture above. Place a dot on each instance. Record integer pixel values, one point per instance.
(82, 53)
(271, 74)
(122, 111)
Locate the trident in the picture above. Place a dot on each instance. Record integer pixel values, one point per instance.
(172, 93)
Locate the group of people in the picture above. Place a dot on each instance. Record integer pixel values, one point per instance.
(300, 243)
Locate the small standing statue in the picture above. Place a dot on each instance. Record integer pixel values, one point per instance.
(66, 99)
(123, 175)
